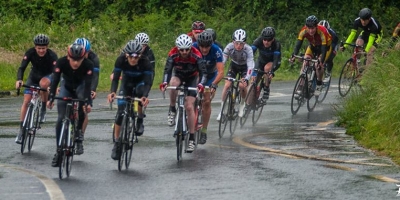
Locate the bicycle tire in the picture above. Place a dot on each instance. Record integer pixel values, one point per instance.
(62, 154)
(296, 103)
(122, 142)
(234, 111)
(259, 106)
(224, 120)
(179, 136)
(25, 129)
(346, 78)
(130, 139)
(325, 90)
(248, 108)
(34, 128)
(312, 99)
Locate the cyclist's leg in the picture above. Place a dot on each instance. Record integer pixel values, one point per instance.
(175, 81)
(189, 106)
(44, 83)
(24, 106)
(232, 74)
(139, 91)
(206, 109)
(267, 78)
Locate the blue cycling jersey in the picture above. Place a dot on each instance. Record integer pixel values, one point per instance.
(212, 58)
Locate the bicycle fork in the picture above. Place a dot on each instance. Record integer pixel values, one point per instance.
(181, 109)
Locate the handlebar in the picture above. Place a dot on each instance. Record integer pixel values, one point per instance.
(231, 79)
(350, 44)
(69, 99)
(128, 98)
(181, 88)
(306, 59)
(32, 87)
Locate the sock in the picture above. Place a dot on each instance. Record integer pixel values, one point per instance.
(172, 109)
(191, 137)
(43, 106)
(319, 82)
(204, 130)
(140, 120)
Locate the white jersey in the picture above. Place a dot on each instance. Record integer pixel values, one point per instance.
(242, 57)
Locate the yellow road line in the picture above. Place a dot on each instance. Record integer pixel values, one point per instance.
(333, 166)
(385, 179)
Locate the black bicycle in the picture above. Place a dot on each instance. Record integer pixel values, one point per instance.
(127, 134)
(253, 99)
(230, 108)
(305, 86)
(181, 127)
(68, 133)
(31, 121)
(198, 111)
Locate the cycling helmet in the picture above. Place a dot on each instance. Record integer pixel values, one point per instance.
(41, 39)
(365, 13)
(133, 47)
(143, 38)
(311, 21)
(239, 36)
(268, 33)
(198, 25)
(84, 42)
(213, 33)
(324, 23)
(76, 51)
(183, 41)
(205, 39)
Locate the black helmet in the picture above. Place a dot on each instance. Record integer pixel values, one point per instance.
(311, 21)
(133, 47)
(365, 13)
(205, 39)
(76, 51)
(198, 25)
(268, 33)
(213, 33)
(41, 40)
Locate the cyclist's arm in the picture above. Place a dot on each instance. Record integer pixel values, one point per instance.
(202, 69)
(254, 48)
(250, 62)
(277, 57)
(168, 69)
(219, 66)
(88, 81)
(24, 63)
(115, 81)
(371, 40)
(351, 37)
(152, 59)
(147, 79)
(56, 79)
(96, 73)
(297, 46)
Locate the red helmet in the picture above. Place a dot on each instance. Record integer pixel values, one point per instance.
(198, 25)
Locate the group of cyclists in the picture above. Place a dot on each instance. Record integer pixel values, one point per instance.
(197, 60)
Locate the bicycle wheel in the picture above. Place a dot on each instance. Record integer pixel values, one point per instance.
(34, 128)
(234, 111)
(346, 78)
(122, 142)
(130, 139)
(179, 136)
(250, 98)
(25, 129)
(62, 157)
(312, 100)
(260, 103)
(69, 156)
(224, 120)
(325, 89)
(298, 98)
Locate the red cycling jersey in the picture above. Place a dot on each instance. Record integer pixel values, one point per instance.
(321, 37)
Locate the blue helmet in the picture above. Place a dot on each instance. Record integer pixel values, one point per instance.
(84, 42)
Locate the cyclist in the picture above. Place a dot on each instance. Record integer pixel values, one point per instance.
(242, 63)
(43, 60)
(395, 35)
(371, 33)
(89, 54)
(335, 40)
(319, 44)
(212, 55)
(143, 39)
(184, 63)
(136, 82)
(214, 36)
(77, 72)
(197, 28)
(269, 57)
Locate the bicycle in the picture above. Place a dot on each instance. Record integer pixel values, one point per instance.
(325, 85)
(351, 70)
(181, 120)
(31, 121)
(198, 111)
(230, 109)
(256, 104)
(307, 78)
(68, 133)
(127, 134)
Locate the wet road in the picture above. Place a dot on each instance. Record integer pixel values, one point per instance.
(283, 157)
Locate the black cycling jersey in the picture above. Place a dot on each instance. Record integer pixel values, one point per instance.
(140, 73)
(335, 38)
(148, 52)
(268, 54)
(96, 69)
(41, 66)
(73, 78)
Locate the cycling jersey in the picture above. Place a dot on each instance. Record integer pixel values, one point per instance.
(212, 58)
(320, 40)
(140, 74)
(96, 69)
(73, 78)
(185, 67)
(267, 54)
(335, 38)
(242, 57)
(41, 66)
(372, 31)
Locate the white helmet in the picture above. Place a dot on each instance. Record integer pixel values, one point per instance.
(183, 41)
(324, 23)
(239, 35)
(143, 38)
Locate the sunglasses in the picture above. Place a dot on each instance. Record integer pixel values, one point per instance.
(239, 43)
(204, 46)
(268, 39)
(184, 50)
(133, 55)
